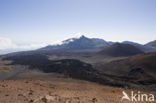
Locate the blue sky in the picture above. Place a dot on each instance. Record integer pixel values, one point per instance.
(50, 21)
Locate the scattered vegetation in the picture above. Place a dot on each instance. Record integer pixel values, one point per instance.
(113, 91)
(6, 71)
(26, 81)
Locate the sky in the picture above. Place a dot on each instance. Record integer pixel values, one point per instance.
(36, 23)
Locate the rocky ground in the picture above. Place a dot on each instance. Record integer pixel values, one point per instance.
(57, 90)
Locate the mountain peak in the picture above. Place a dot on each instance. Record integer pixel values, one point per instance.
(82, 36)
(80, 43)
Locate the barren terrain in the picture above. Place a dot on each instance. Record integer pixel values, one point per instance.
(57, 90)
(54, 78)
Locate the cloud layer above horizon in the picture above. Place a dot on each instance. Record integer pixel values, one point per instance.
(6, 43)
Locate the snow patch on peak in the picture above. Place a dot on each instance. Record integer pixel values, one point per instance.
(69, 40)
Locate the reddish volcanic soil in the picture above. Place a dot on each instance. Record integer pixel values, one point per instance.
(57, 90)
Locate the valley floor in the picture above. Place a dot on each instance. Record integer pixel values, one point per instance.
(58, 90)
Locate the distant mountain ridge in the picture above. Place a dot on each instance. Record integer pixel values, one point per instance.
(84, 43)
(132, 43)
(81, 43)
(146, 48)
(151, 44)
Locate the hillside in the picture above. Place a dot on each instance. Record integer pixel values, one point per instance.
(130, 72)
(151, 44)
(139, 70)
(118, 50)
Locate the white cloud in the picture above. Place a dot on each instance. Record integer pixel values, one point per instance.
(32, 46)
(7, 44)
